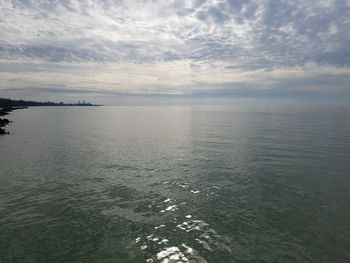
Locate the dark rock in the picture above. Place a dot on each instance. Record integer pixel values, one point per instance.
(5, 111)
(2, 131)
(4, 122)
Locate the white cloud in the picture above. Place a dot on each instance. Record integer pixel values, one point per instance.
(173, 46)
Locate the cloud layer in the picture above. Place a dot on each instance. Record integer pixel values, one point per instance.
(174, 47)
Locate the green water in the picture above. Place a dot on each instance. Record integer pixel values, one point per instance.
(175, 184)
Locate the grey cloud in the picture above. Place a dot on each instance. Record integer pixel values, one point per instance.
(60, 90)
(229, 35)
(284, 33)
(278, 32)
(213, 13)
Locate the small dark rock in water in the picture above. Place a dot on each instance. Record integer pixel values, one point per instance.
(4, 122)
(2, 131)
(3, 112)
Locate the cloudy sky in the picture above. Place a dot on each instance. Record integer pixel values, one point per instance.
(98, 49)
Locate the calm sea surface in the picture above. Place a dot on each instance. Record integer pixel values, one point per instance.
(176, 184)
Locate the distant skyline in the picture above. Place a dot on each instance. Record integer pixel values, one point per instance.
(101, 50)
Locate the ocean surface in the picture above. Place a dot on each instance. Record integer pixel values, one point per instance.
(214, 183)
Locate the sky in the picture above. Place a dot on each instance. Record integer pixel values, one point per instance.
(105, 50)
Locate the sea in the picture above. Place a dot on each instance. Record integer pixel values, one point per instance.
(212, 183)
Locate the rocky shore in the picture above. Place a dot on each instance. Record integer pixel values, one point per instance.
(4, 121)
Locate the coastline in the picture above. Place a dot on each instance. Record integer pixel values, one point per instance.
(9, 105)
(4, 121)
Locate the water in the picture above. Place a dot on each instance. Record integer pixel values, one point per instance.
(176, 184)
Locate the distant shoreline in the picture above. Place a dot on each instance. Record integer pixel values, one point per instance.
(9, 105)
(6, 103)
